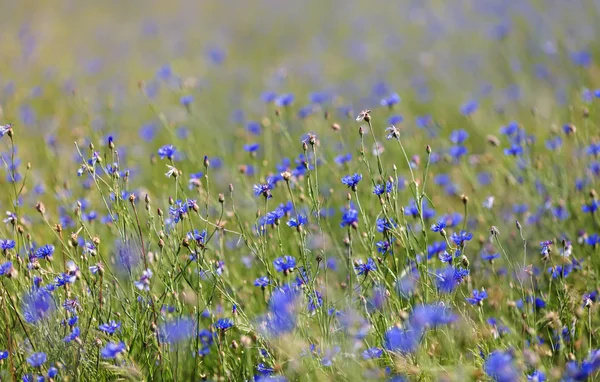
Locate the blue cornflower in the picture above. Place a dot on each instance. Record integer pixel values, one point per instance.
(144, 281)
(469, 107)
(536, 376)
(390, 101)
(445, 257)
(6, 244)
(198, 236)
(379, 189)
(37, 359)
(284, 264)
(478, 297)
(591, 207)
(431, 316)
(372, 353)
(349, 217)
(284, 100)
(589, 298)
(364, 269)
(263, 189)
(75, 333)
(383, 246)
(300, 221)
(439, 226)
(445, 280)
(262, 282)
(224, 324)
(458, 136)
(352, 180)
(384, 225)
(436, 248)
(110, 328)
(403, 341)
(489, 256)
(44, 252)
(112, 350)
(5, 268)
(273, 217)
(186, 100)
(37, 305)
(460, 238)
(5, 129)
(251, 148)
(3, 355)
(343, 158)
(52, 372)
(514, 150)
(264, 369)
(457, 152)
(554, 143)
(560, 271)
(593, 240)
(167, 151)
(177, 330)
(500, 367)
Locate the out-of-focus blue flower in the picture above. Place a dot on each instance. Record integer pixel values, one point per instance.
(404, 341)
(501, 368)
(37, 305)
(177, 330)
(37, 359)
(372, 353)
(112, 350)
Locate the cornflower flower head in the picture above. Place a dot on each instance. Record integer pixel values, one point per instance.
(285, 264)
(403, 341)
(439, 226)
(6, 244)
(37, 305)
(110, 328)
(384, 225)
(224, 324)
(392, 132)
(460, 238)
(349, 218)
(364, 268)
(263, 189)
(37, 359)
(431, 316)
(275, 216)
(177, 330)
(372, 353)
(500, 367)
(297, 222)
(167, 151)
(112, 350)
(352, 181)
(478, 297)
(45, 252)
(380, 189)
(6, 268)
(4, 129)
(144, 281)
(262, 282)
(73, 336)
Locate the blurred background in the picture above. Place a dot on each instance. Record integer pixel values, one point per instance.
(86, 69)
